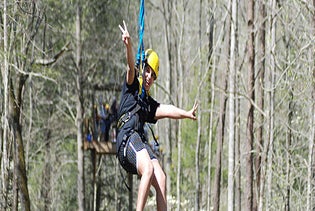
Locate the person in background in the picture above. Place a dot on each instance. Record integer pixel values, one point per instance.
(114, 119)
(105, 122)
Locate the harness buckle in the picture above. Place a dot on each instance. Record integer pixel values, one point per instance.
(123, 119)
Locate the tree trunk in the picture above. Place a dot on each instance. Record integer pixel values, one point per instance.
(311, 151)
(221, 131)
(197, 152)
(250, 115)
(288, 151)
(46, 182)
(5, 119)
(167, 6)
(197, 165)
(217, 175)
(178, 175)
(210, 32)
(180, 104)
(237, 129)
(15, 113)
(271, 96)
(79, 110)
(231, 130)
(261, 99)
(238, 185)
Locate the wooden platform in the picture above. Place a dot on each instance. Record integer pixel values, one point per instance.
(101, 147)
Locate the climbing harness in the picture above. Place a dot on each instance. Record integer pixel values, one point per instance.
(123, 145)
(126, 117)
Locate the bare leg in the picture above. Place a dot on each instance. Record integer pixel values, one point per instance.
(159, 183)
(145, 170)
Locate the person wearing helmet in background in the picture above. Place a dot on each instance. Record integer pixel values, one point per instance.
(105, 122)
(133, 150)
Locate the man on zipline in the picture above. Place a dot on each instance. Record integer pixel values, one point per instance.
(133, 150)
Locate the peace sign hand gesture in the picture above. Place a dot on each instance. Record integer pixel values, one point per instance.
(193, 111)
(125, 34)
(129, 54)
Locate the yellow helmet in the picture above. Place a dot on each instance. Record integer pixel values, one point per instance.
(152, 59)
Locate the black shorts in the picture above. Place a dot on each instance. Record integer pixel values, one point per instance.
(127, 153)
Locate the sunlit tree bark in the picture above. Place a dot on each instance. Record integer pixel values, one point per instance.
(311, 149)
(271, 98)
(167, 16)
(232, 68)
(180, 102)
(220, 140)
(5, 124)
(79, 110)
(250, 115)
(197, 151)
(260, 84)
(211, 66)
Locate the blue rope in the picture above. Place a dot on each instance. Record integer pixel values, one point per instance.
(140, 34)
(141, 52)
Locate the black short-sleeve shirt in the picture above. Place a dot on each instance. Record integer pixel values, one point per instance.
(129, 100)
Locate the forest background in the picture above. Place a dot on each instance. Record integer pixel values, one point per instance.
(249, 64)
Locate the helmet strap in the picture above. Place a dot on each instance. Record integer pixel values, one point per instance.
(143, 94)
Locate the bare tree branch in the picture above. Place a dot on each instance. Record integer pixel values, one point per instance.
(50, 61)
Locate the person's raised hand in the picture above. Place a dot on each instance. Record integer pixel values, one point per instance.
(193, 111)
(124, 34)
